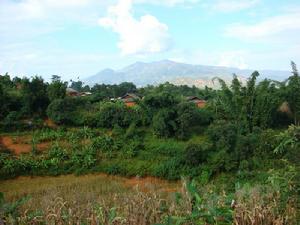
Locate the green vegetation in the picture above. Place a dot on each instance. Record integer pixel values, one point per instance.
(245, 143)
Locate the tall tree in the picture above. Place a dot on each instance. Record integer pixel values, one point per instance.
(3, 101)
(250, 99)
(57, 88)
(293, 93)
(268, 101)
(34, 94)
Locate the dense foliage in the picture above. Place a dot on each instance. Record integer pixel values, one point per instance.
(244, 131)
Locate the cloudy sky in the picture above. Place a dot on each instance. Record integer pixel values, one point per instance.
(75, 38)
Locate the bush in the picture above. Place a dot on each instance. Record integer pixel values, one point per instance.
(189, 115)
(170, 169)
(12, 121)
(132, 148)
(196, 154)
(164, 147)
(164, 124)
(104, 143)
(68, 111)
(112, 114)
(223, 134)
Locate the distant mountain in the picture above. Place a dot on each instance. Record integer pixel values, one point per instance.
(141, 74)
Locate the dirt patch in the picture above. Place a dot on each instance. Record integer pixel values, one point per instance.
(50, 123)
(20, 145)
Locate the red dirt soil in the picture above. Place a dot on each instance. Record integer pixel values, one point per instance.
(50, 123)
(20, 147)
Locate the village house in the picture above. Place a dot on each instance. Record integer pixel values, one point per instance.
(199, 102)
(72, 92)
(130, 99)
(85, 93)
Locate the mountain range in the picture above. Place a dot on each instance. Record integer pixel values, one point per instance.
(154, 73)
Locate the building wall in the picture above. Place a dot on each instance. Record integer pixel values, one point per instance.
(130, 104)
(201, 104)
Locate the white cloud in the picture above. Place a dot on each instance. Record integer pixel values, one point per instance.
(167, 2)
(233, 59)
(270, 27)
(233, 5)
(137, 36)
(50, 10)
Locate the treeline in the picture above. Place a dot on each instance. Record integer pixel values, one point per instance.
(163, 106)
(265, 104)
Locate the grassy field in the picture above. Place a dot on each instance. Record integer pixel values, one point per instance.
(102, 199)
(90, 197)
(82, 189)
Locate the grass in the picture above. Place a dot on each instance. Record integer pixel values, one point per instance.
(101, 199)
(82, 197)
(82, 189)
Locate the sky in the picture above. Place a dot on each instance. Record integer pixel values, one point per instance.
(78, 38)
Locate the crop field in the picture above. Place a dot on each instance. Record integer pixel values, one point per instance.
(104, 199)
(87, 196)
(81, 189)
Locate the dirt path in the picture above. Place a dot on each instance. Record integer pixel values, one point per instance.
(19, 145)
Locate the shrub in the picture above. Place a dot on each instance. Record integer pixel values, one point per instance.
(164, 124)
(189, 115)
(11, 121)
(170, 169)
(57, 152)
(67, 111)
(196, 154)
(104, 143)
(111, 114)
(165, 147)
(223, 134)
(132, 148)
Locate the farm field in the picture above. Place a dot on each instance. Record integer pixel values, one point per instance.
(83, 194)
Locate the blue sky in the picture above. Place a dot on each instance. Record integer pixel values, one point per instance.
(75, 38)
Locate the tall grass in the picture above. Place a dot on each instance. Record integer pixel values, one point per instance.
(99, 199)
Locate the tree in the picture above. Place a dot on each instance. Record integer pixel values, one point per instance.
(3, 102)
(293, 93)
(66, 111)
(111, 114)
(188, 116)
(268, 101)
(6, 81)
(34, 95)
(123, 88)
(250, 99)
(164, 123)
(76, 85)
(196, 153)
(57, 88)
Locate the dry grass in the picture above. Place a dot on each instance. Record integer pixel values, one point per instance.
(90, 199)
(257, 207)
(102, 199)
